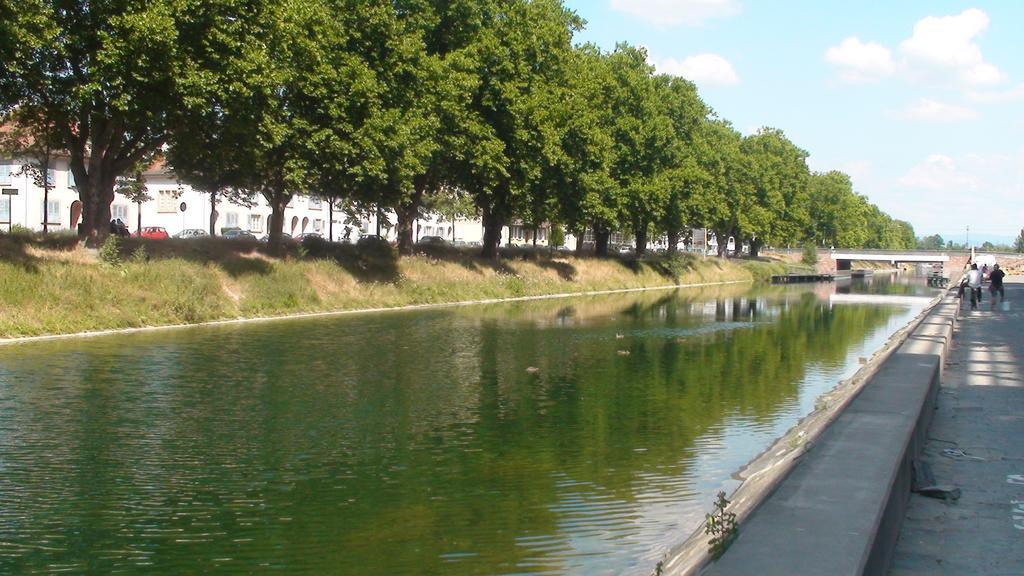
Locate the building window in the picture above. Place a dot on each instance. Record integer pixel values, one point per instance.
(318, 225)
(166, 202)
(516, 232)
(5, 173)
(119, 212)
(52, 212)
(315, 203)
(71, 179)
(232, 220)
(5, 209)
(255, 223)
(51, 177)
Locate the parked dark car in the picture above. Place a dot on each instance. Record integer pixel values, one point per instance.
(237, 234)
(432, 241)
(372, 240)
(285, 237)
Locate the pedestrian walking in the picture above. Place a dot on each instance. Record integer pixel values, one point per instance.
(974, 285)
(995, 280)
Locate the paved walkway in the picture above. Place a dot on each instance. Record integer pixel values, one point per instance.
(976, 443)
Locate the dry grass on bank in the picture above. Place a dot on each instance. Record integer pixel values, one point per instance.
(56, 287)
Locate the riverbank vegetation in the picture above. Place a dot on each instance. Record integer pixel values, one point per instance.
(406, 106)
(52, 286)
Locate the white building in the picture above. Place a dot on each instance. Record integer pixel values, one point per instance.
(174, 206)
(21, 201)
(177, 207)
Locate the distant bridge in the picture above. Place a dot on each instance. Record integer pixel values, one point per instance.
(843, 258)
(952, 261)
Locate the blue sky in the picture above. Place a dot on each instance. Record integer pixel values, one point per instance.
(921, 103)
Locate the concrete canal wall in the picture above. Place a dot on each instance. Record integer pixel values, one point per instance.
(839, 509)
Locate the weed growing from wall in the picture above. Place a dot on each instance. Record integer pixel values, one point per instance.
(721, 526)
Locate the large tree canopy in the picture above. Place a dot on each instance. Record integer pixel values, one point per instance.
(780, 177)
(521, 56)
(402, 105)
(106, 80)
(298, 104)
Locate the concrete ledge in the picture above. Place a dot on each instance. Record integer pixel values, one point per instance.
(839, 510)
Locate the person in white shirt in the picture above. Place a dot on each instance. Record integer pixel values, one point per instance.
(974, 283)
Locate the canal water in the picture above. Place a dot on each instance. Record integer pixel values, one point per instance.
(569, 436)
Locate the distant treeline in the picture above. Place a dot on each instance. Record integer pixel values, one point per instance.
(936, 242)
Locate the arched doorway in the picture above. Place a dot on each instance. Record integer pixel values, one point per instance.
(295, 223)
(305, 222)
(76, 214)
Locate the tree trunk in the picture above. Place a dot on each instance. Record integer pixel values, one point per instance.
(213, 214)
(45, 165)
(407, 212)
(492, 234)
(96, 161)
(330, 220)
(87, 229)
(755, 247)
(601, 237)
(723, 244)
(103, 196)
(641, 239)
(582, 233)
(88, 216)
(96, 192)
(46, 206)
(535, 228)
(673, 242)
(138, 227)
(278, 202)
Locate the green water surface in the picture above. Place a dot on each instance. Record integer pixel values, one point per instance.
(575, 436)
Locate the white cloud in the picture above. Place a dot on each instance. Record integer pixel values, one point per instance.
(943, 48)
(939, 173)
(702, 69)
(997, 96)
(945, 193)
(666, 13)
(858, 62)
(926, 110)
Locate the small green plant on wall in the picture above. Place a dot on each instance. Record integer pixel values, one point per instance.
(721, 526)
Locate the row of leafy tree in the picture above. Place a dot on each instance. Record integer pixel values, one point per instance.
(393, 104)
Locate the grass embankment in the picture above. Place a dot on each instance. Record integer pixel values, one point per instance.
(52, 286)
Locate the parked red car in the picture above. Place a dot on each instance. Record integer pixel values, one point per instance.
(154, 233)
